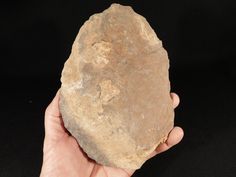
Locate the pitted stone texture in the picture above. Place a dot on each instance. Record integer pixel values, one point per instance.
(114, 96)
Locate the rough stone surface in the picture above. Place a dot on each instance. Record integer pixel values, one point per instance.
(114, 96)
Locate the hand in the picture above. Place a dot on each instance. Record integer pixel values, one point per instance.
(63, 157)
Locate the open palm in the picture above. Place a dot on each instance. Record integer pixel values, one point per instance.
(62, 155)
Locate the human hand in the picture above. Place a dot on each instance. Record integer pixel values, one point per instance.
(63, 157)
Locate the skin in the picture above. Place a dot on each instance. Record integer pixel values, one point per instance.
(63, 157)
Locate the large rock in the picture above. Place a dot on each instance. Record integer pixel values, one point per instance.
(115, 88)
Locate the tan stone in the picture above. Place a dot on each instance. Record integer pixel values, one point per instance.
(115, 89)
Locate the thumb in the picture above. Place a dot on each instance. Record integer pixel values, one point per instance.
(54, 126)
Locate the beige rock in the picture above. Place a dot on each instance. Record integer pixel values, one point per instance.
(115, 89)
